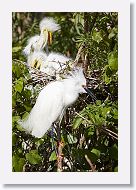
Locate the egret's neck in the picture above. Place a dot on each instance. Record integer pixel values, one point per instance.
(43, 39)
(70, 92)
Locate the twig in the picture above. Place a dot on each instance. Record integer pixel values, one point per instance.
(110, 131)
(93, 168)
(82, 117)
(60, 156)
(78, 54)
(115, 137)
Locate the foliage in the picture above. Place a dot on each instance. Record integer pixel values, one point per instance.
(89, 128)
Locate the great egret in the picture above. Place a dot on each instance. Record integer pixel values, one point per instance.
(36, 43)
(53, 101)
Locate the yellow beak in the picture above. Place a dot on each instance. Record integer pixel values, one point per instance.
(36, 64)
(49, 38)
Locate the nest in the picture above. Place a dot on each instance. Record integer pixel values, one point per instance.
(42, 78)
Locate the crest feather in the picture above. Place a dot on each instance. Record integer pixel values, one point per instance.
(50, 24)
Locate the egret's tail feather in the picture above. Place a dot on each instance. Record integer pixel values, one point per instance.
(35, 127)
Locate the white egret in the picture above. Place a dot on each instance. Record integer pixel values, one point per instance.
(55, 63)
(53, 101)
(37, 59)
(36, 43)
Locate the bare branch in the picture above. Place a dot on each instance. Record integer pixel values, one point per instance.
(93, 168)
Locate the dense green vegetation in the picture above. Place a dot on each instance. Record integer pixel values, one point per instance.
(89, 129)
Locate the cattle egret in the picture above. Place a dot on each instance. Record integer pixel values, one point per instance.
(36, 43)
(52, 101)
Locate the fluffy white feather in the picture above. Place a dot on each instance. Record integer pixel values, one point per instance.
(52, 100)
(49, 24)
(38, 57)
(55, 63)
(38, 42)
(31, 45)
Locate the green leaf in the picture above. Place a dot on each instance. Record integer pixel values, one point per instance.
(39, 142)
(113, 33)
(97, 36)
(14, 139)
(16, 49)
(53, 156)
(96, 152)
(80, 154)
(91, 117)
(77, 122)
(106, 79)
(18, 163)
(113, 61)
(25, 115)
(33, 157)
(71, 139)
(13, 101)
(115, 112)
(16, 118)
(20, 128)
(113, 152)
(19, 86)
(28, 107)
(98, 102)
(91, 131)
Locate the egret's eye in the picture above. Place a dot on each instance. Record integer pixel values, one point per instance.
(84, 85)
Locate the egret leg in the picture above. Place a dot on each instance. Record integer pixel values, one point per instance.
(53, 141)
(60, 144)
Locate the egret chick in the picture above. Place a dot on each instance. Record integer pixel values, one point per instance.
(55, 63)
(37, 60)
(53, 101)
(31, 45)
(52, 64)
(36, 43)
(47, 26)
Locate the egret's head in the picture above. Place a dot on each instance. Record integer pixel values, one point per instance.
(77, 76)
(47, 26)
(80, 82)
(37, 59)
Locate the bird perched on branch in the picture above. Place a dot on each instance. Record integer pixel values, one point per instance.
(36, 43)
(53, 101)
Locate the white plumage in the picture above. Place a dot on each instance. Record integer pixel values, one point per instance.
(50, 24)
(37, 59)
(52, 101)
(38, 42)
(55, 63)
(52, 64)
(31, 45)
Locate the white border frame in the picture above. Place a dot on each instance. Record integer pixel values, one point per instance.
(6, 174)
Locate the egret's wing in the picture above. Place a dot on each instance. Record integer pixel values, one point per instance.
(47, 109)
(31, 45)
